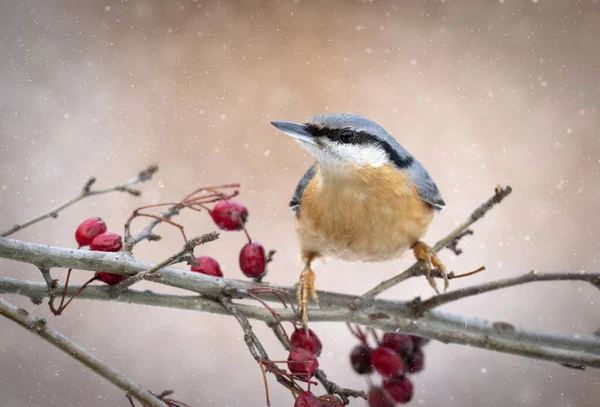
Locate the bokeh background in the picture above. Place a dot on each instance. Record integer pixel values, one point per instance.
(482, 92)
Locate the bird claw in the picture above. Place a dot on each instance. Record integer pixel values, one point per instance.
(305, 289)
(423, 252)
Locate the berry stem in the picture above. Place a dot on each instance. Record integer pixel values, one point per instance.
(374, 333)
(64, 293)
(358, 333)
(212, 189)
(61, 309)
(161, 219)
(266, 383)
(482, 268)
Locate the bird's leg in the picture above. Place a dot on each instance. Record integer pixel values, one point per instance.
(426, 253)
(306, 287)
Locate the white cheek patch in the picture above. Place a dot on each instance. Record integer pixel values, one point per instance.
(335, 157)
(371, 155)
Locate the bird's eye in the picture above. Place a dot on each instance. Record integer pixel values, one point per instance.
(346, 136)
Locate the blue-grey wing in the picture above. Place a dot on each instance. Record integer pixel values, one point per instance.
(297, 198)
(428, 191)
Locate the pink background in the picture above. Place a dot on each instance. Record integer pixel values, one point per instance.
(483, 93)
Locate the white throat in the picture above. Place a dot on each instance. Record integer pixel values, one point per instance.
(334, 159)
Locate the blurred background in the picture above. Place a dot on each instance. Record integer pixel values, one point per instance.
(481, 92)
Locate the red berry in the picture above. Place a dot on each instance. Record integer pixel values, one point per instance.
(378, 397)
(229, 215)
(302, 362)
(387, 362)
(400, 388)
(360, 358)
(106, 242)
(419, 341)
(207, 265)
(415, 362)
(401, 343)
(307, 399)
(252, 260)
(109, 278)
(88, 230)
(311, 342)
(329, 400)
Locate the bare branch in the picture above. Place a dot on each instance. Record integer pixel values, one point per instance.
(41, 328)
(576, 349)
(450, 241)
(257, 350)
(186, 253)
(147, 233)
(453, 245)
(195, 201)
(333, 388)
(423, 306)
(254, 345)
(51, 284)
(87, 191)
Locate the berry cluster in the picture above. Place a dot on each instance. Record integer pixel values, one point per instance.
(232, 216)
(305, 347)
(395, 356)
(226, 214)
(92, 232)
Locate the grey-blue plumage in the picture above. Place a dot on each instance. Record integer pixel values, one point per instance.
(296, 199)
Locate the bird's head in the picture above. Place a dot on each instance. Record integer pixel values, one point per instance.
(339, 140)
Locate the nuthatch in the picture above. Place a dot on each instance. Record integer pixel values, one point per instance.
(365, 198)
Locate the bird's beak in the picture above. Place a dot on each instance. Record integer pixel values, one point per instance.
(296, 130)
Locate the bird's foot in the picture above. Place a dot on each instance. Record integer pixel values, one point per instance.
(304, 289)
(423, 252)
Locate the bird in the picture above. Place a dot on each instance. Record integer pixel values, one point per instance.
(365, 197)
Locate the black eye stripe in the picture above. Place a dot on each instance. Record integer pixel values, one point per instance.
(362, 137)
(332, 134)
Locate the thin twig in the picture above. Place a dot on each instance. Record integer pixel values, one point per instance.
(450, 240)
(423, 306)
(146, 234)
(453, 245)
(52, 285)
(256, 348)
(87, 191)
(186, 253)
(333, 388)
(170, 401)
(189, 201)
(266, 383)
(41, 328)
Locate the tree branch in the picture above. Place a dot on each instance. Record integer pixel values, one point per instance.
(184, 254)
(51, 286)
(147, 233)
(87, 191)
(257, 350)
(384, 314)
(450, 241)
(51, 335)
(423, 306)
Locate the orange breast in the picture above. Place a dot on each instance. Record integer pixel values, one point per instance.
(362, 214)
